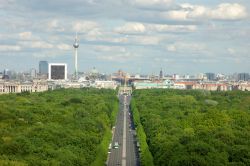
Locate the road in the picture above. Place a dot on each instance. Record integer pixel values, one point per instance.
(127, 153)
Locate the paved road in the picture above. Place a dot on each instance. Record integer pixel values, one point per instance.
(127, 153)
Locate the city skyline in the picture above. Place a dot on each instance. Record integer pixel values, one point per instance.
(140, 36)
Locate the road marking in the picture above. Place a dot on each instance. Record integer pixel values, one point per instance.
(124, 139)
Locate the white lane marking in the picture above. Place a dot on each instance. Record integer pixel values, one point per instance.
(124, 139)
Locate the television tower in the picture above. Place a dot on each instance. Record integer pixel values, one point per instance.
(76, 45)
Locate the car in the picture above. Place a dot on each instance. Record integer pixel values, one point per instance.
(138, 144)
(116, 145)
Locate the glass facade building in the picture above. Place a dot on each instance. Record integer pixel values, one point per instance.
(43, 67)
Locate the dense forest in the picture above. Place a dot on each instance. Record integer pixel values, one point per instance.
(194, 128)
(61, 127)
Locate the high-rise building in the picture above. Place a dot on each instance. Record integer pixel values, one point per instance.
(243, 77)
(6, 74)
(33, 73)
(161, 74)
(210, 76)
(57, 71)
(43, 67)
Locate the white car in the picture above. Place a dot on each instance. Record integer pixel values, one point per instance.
(116, 145)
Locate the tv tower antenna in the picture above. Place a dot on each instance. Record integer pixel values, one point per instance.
(76, 45)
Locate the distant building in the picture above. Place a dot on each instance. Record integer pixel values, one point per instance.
(6, 74)
(137, 76)
(201, 76)
(211, 76)
(186, 76)
(18, 87)
(57, 71)
(161, 74)
(176, 76)
(153, 84)
(243, 77)
(33, 73)
(43, 67)
(212, 86)
(105, 84)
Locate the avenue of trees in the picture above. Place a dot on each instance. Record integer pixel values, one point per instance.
(193, 128)
(61, 127)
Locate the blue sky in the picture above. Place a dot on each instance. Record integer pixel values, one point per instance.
(138, 36)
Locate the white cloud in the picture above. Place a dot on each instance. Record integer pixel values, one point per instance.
(227, 11)
(224, 11)
(116, 39)
(171, 28)
(139, 28)
(41, 44)
(131, 28)
(104, 48)
(146, 40)
(231, 51)
(186, 47)
(93, 35)
(6, 3)
(85, 26)
(55, 25)
(64, 47)
(150, 3)
(25, 35)
(120, 57)
(10, 48)
(175, 15)
(171, 48)
(35, 44)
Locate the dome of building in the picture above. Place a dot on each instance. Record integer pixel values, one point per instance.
(94, 71)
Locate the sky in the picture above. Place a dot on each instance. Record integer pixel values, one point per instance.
(137, 36)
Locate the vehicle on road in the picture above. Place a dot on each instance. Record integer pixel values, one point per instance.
(116, 145)
(110, 147)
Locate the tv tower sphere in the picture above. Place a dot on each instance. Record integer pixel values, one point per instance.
(76, 44)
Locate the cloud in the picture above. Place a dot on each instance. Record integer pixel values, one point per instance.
(41, 44)
(85, 26)
(185, 47)
(142, 28)
(9, 48)
(171, 48)
(171, 28)
(64, 47)
(114, 53)
(36, 44)
(227, 11)
(120, 57)
(231, 51)
(55, 25)
(25, 35)
(151, 3)
(94, 35)
(6, 3)
(104, 48)
(131, 28)
(175, 15)
(146, 40)
(224, 11)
